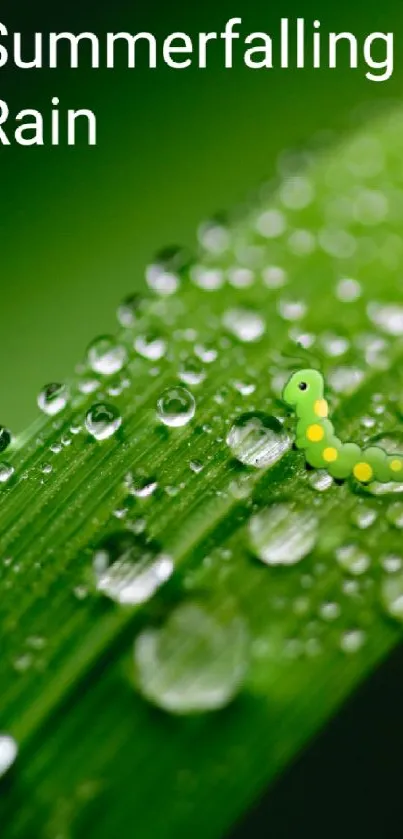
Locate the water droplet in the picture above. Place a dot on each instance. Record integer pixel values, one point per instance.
(214, 237)
(329, 611)
(53, 399)
(320, 480)
(163, 276)
(363, 517)
(8, 753)
(391, 563)
(302, 242)
(353, 559)
(345, 379)
(151, 346)
(334, 345)
(394, 514)
(352, 641)
(129, 569)
(370, 207)
(258, 440)
(141, 486)
(129, 310)
(388, 317)
(392, 596)
(271, 224)
(105, 356)
(244, 388)
(176, 407)
(296, 192)
(6, 472)
(102, 421)
(274, 277)
(5, 439)
(206, 352)
(348, 290)
(240, 277)
(196, 466)
(246, 324)
(292, 309)
(192, 372)
(194, 663)
(283, 534)
(207, 278)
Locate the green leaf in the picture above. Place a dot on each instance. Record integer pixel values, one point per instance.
(273, 645)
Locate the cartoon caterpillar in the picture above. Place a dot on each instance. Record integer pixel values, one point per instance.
(323, 450)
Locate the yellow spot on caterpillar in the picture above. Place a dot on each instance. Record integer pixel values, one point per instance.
(330, 454)
(315, 433)
(321, 408)
(396, 465)
(363, 472)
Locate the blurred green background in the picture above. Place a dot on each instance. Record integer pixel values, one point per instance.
(78, 225)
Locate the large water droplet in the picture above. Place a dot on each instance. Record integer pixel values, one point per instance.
(246, 324)
(102, 421)
(129, 569)
(283, 534)
(5, 438)
(53, 399)
(258, 440)
(196, 662)
(8, 752)
(105, 356)
(176, 407)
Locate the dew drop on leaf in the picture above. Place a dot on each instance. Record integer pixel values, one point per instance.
(8, 753)
(283, 534)
(392, 596)
(6, 472)
(105, 356)
(151, 346)
(353, 559)
(196, 662)
(129, 569)
(129, 311)
(245, 324)
(352, 641)
(258, 440)
(5, 439)
(102, 421)
(176, 407)
(164, 273)
(53, 399)
(191, 371)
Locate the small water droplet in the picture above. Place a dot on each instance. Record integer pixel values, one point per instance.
(292, 309)
(191, 371)
(194, 663)
(320, 480)
(8, 753)
(329, 611)
(363, 517)
(296, 192)
(129, 569)
(352, 641)
(6, 472)
(176, 407)
(283, 534)
(5, 439)
(196, 466)
(271, 224)
(164, 274)
(394, 514)
(102, 421)
(53, 399)
(240, 277)
(274, 277)
(151, 346)
(391, 563)
(105, 356)
(353, 559)
(141, 486)
(129, 310)
(348, 290)
(388, 317)
(206, 352)
(258, 440)
(247, 325)
(207, 278)
(345, 379)
(214, 237)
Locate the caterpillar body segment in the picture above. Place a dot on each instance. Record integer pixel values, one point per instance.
(315, 435)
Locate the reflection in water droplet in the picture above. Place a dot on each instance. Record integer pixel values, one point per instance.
(245, 324)
(102, 421)
(258, 440)
(176, 407)
(128, 569)
(283, 534)
(8, 753)
(105, 356)
(196, 662)
(5, 439)
(53, 399)
(353, 559)
(6, 472)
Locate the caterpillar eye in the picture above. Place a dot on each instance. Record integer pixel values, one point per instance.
(303, 386)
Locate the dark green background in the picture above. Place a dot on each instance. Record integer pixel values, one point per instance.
(78, 225)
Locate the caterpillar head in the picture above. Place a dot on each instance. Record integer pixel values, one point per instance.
(303, 387)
